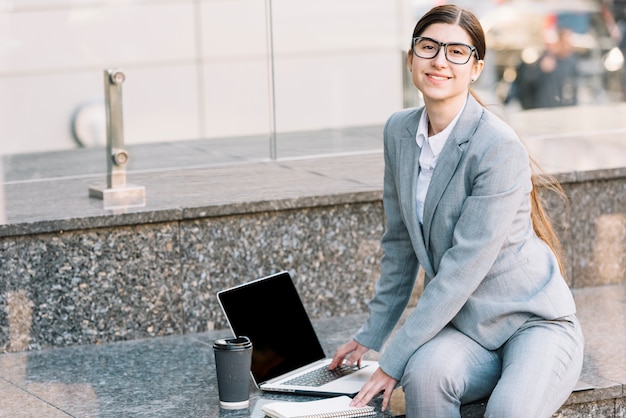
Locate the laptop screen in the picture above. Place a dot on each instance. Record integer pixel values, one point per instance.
(269, 312)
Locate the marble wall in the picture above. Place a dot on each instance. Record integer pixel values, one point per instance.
(102, 284)
(597, 239)
(591, 224)
(90, 286)
(129, 282)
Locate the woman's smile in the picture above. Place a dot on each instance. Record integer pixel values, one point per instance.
(438, 77)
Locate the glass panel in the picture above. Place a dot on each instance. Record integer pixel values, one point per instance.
(338, 67)
(319, 77)
(195, 70)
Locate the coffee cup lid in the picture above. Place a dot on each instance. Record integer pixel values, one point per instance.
(232, 344)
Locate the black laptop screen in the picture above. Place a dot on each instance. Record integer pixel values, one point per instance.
(269, 311)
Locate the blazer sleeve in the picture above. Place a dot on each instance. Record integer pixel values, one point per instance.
(399, 264)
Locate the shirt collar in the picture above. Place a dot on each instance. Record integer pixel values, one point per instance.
(422, 129)
(437, 141)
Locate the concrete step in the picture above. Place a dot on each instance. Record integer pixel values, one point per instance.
(175, 376)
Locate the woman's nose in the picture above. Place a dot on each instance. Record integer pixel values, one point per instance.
(440, 59)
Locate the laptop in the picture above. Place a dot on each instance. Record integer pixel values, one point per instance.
(285, 348)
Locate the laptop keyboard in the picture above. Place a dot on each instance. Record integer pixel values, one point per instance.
(321, 376)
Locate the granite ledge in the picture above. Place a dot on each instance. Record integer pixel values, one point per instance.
(590, 175)
(134, 216)
(281, 204)
(615, 391)
(604, 174)
(55, 204)
(324, 190)
(112, 219)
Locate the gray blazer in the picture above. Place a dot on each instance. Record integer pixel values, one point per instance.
(486, 271)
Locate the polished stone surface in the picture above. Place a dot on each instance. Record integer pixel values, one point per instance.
(175, 376)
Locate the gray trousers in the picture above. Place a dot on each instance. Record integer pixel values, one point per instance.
(531, 375)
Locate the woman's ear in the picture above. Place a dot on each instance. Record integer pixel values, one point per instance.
(477, 70)
(409, 60)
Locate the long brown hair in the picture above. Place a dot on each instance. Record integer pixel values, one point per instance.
(454, 15)
(542, 223)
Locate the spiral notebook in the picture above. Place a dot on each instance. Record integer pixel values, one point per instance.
(286, 352)
(338, 407)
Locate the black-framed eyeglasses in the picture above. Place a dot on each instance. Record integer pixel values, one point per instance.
(455, 52)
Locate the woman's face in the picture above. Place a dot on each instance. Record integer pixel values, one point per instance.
(437, 78)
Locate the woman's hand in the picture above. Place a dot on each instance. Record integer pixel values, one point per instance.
(379, 382)
(352, 352)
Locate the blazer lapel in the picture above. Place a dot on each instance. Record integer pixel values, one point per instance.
(444, 170)
(449, 160)
(409, 169)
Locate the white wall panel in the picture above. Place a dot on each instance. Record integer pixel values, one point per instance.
(161, 104)
(196, 68)
(338, 90)
(36, 112)
(233, 28)
(96, 37)
(331, 26)
(237, 98)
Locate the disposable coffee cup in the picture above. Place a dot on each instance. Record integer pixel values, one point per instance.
(233, 357)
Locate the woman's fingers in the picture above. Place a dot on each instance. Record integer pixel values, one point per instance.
(391, 385)
(351, 352)
(379, 382)
(341, 354)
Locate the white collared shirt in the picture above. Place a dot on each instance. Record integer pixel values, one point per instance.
(431, 148)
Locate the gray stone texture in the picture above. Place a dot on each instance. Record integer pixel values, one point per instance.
(90, 286)
(332, 253)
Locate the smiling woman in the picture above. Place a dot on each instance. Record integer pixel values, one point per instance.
(444, 79)
(460, 203)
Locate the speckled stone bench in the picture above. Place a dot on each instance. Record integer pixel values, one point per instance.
(175, 375)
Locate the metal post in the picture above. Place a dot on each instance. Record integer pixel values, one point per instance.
(116, 193)
(269, 29)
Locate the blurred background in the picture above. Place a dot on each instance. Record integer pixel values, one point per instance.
(202, 69)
